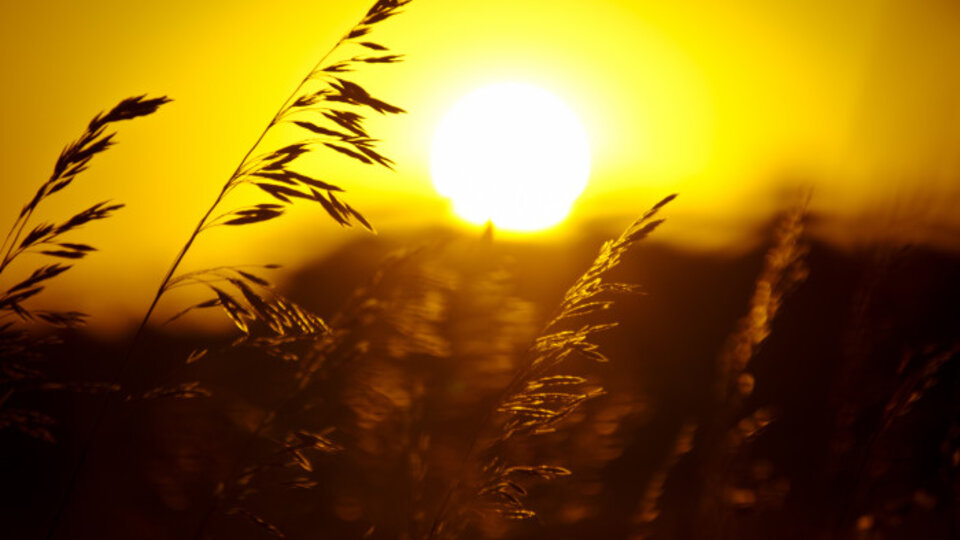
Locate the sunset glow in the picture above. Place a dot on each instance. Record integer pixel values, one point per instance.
(490, 270)
(513, 154)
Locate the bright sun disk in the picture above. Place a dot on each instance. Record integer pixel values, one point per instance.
(512, 154)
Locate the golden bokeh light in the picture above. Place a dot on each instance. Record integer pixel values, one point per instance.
(512, 154)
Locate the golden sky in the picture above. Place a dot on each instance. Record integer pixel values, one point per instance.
(730, 103)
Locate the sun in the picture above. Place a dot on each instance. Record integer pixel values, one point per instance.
(513, 154)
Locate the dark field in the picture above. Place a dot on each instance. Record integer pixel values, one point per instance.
(855, 391)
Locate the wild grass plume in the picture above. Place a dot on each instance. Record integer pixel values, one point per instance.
(539, 398)
(324, 106)
(20, 346)
(46, 238)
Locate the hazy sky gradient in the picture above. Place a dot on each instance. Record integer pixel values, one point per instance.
(729, 103)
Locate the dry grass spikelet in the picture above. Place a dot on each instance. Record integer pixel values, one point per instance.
(539, 398)
(733, 425)
(20, 348)
(783, 270)
(326, 110)
(46, 238)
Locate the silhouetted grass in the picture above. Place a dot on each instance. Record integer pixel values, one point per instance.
(539, 398)
(21, 347)
(324, 105)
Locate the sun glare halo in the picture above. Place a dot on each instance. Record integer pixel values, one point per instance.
(513, 154)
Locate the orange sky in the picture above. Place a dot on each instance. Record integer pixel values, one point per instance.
(728, 103)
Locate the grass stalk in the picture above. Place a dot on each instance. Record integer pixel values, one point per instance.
(349, 93)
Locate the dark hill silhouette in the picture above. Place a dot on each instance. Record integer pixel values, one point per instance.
(834, 360)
